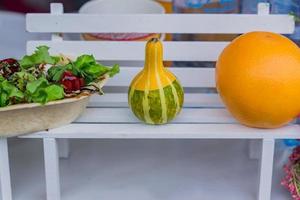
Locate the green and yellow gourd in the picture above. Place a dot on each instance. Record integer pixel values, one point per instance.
(155, 94)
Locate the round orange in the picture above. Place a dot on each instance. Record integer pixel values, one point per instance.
(258, 79)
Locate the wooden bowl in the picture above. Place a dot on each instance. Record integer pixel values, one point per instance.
(23, 119)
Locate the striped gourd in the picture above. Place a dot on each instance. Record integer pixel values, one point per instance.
(155, 94)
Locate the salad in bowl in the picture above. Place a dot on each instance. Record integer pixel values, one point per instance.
(42, 91)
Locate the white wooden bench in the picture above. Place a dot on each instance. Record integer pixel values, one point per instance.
(108, 116)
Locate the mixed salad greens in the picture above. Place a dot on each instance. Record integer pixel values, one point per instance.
(40, 77)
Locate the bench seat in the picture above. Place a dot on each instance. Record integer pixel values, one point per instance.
(203, 116)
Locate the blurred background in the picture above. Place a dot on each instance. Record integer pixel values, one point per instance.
(25, 6)
(175, 6)
(12, 16)
(12, 19)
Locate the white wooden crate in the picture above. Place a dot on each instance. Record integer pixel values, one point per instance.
(203, 116)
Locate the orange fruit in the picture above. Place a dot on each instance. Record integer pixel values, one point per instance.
(258, 79)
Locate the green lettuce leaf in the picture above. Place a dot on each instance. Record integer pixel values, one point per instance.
(34, 86)
(114, 70)
(40, 56)
(54, 92)
(20, 79)
(86, 67)
(85, 60)
(91, 70)
(40, 96)
(4, 101)
(55, 72)
(11, 90)
(9, 94)
(41, 91)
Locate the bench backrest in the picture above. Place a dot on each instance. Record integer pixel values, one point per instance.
(58, 22)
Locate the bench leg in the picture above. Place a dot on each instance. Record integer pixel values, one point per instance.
(51, 168)
(63, 148)
(5, 171)
(266, 169)
(254, 149)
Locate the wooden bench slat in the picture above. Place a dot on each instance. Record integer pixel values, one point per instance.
(169, 131)
(158, 23)
(124, 115)
(133, 51)
(206, 100)
(189, 77)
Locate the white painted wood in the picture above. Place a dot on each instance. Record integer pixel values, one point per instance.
(166, 23)
(128, 51)
(263, 8)
(63, 148)
(56, 37)
(189, 77)
(171, 131)
(51, 169)
(56, 9)
(266, 169)
(206, 100)
(5, 181)
(254, 149)
(63, 144)
(124, 115)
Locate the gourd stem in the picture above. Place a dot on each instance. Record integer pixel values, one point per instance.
(154, 55)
